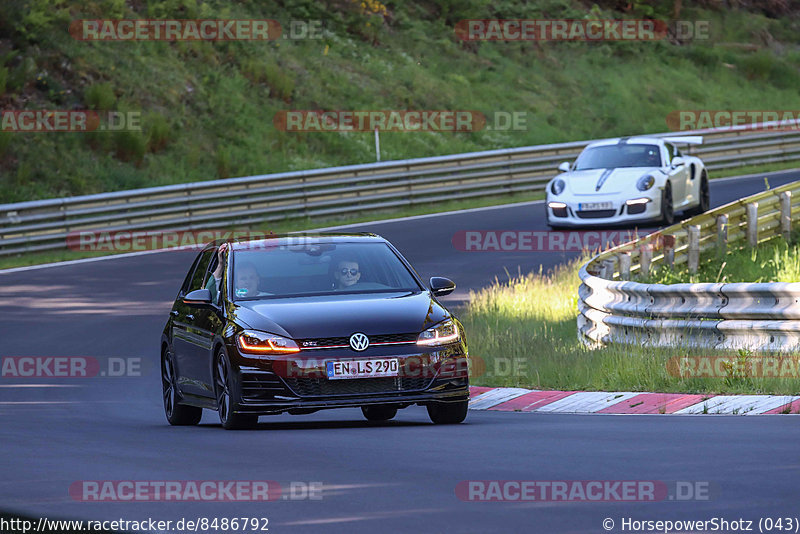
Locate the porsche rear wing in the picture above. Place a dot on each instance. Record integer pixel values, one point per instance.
(685, 140)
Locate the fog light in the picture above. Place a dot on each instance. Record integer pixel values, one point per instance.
(559, 209)
(636, 205)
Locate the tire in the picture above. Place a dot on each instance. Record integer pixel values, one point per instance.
(379, 412)
(450, 413)
(224, 386)
(705, 197)
(667, 209)
(177, 414)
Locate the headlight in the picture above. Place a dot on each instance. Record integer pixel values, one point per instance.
(645, 182)
(254, 342)
(557, 187)
(441, 334)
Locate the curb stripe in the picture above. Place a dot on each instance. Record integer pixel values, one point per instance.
(494, 397)
(532, 401)
(654, 403)
(551, 401)
(586, 402)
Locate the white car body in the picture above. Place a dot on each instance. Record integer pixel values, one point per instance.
(607, 196)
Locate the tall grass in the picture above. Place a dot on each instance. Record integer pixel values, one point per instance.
(773, 261)
(523, 332)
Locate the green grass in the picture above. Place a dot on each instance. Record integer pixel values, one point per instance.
(207, 108)
(522, 332)
(773, 261)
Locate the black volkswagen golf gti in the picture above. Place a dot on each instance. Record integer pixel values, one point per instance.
(300, 323)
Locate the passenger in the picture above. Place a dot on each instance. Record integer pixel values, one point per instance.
(247, 279)
(215, 280)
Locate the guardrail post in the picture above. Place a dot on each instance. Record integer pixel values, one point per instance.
(722, 233)
(752, 224)
(625, 266)
(607, 270)
(645, 257)
(694, 248)
(786, 215)
(669, 250)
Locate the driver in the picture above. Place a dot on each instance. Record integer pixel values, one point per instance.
(346, 274)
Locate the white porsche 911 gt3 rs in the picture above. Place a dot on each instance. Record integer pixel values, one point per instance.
(628, 180)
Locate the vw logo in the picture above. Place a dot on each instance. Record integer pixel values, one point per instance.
(359, 341)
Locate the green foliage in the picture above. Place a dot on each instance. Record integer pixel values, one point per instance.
(774, 261)
(5, 143)
(159, 132)
(101, 96)
(208, 107)
(129, 146)
(224, 162)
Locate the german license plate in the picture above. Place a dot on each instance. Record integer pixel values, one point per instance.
(362, 368)
(594, 206)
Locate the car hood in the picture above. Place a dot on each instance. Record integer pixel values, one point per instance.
(342, 315)
(604, 181)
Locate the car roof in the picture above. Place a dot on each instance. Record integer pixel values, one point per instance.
(254, 237)
(628, 140)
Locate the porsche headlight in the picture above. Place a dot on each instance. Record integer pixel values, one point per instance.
(255, 342)
(557, 186)
(441, 334)
(645, 182)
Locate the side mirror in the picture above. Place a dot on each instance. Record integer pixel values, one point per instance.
(441, 286)
(677, 161)
(198, 297)
(564, 167)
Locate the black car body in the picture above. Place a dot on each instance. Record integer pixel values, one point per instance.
(278, 347)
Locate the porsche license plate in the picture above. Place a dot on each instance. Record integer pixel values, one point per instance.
(362, 368)
(594, 206)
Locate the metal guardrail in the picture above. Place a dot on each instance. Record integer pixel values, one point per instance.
(46, 224)
(754, 316)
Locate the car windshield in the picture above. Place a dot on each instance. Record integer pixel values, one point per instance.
(621, 155)
(275, 269)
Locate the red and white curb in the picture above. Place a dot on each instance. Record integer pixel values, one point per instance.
(625, 402)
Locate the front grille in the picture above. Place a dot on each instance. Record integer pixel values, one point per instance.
(315, 387)
(595, 214)
(325, 342)
(259, 386)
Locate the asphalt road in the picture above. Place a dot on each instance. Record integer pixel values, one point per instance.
(397, 477)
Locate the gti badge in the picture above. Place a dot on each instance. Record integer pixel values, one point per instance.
(359, 341)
